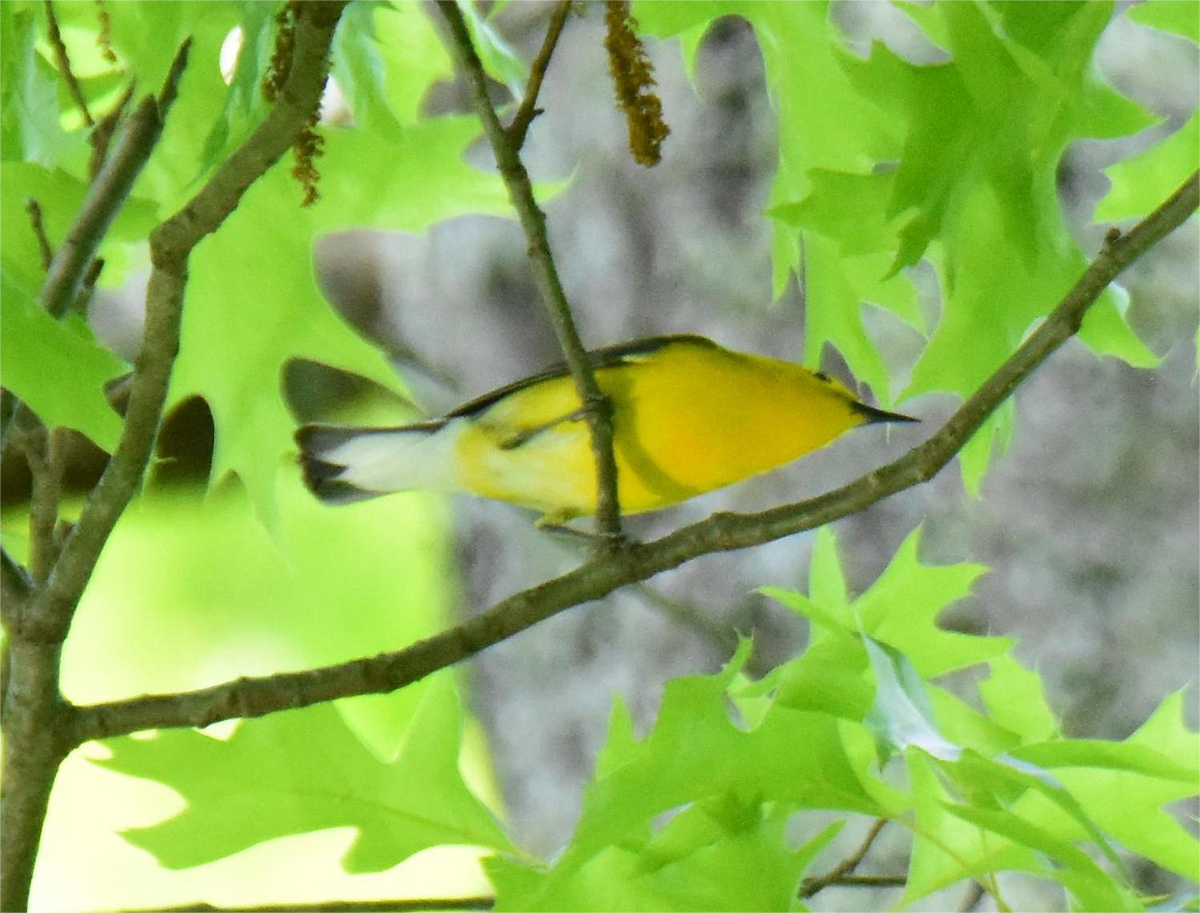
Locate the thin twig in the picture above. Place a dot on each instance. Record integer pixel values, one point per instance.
(43, 450)
(480, 902)
(88, 287)
(45, 251)
(868, 881)
(528, 109)
(846, 867)
(102, 133)
(104, 200)
(252, 697)
(545, 274)
(64, 65)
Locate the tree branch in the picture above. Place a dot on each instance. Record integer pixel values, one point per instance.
(868, 881)
(64, 65)
(43, 448)
(70, 266)
(104, 200)
(846, 867)
(15, 585)
(38, 723)
(545, 274)
(251, 697)
(171, 244)
(481, 902)
(102, 133)
(34, 746)
(537, 72)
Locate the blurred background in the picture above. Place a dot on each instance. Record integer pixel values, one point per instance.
(1089, 522)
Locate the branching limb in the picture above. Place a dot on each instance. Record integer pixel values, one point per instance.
(171, 244)
(251, 697)
(105, 198)
(846, 867)
(528, 109)
(38, 724)
(545, 274)
(482, 902)
(34, 747)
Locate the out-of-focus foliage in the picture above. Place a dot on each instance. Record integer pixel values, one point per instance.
(883, 161)
(321, 777)
(982, 791)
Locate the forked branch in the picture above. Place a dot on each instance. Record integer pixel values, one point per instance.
(545, 273)
(251, 697)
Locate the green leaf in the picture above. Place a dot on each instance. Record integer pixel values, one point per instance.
(1154, 767)
(1181, 17)
(901, 609)
(698, 861)
(56, 368)
(947, 848)
(253, 302)
(360, 71)
(245, 106)
(499, 60)
(696, 754)
(826, 582)
(1093, 888)
(345, 583)
(1016, 699)
(412, 56)
(1140, 184)
(902, 713)
(318, 776)
(29, 115)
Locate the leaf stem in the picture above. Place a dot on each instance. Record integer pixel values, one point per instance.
(537, 72)
(251, 697)
(545, 274)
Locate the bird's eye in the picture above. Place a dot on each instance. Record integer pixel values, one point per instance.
(821, 376)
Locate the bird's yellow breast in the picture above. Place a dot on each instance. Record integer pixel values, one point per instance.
(688, 417)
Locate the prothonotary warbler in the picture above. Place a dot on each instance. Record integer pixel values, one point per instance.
(689, 416)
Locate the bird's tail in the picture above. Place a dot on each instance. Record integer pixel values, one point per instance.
(343, 464)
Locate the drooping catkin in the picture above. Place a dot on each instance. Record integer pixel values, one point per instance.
(633, 77)
(307, 147)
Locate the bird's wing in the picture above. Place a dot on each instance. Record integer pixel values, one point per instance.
(622, 353)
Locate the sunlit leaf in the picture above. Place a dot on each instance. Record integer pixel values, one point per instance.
(303, 770)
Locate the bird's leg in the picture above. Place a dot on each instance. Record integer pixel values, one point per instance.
(517, 438)
(556, 522)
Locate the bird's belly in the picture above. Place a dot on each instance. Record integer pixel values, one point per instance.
(555, 472)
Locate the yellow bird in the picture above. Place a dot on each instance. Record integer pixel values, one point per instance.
(689, 416)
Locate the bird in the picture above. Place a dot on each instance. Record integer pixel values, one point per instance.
(689, 416)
